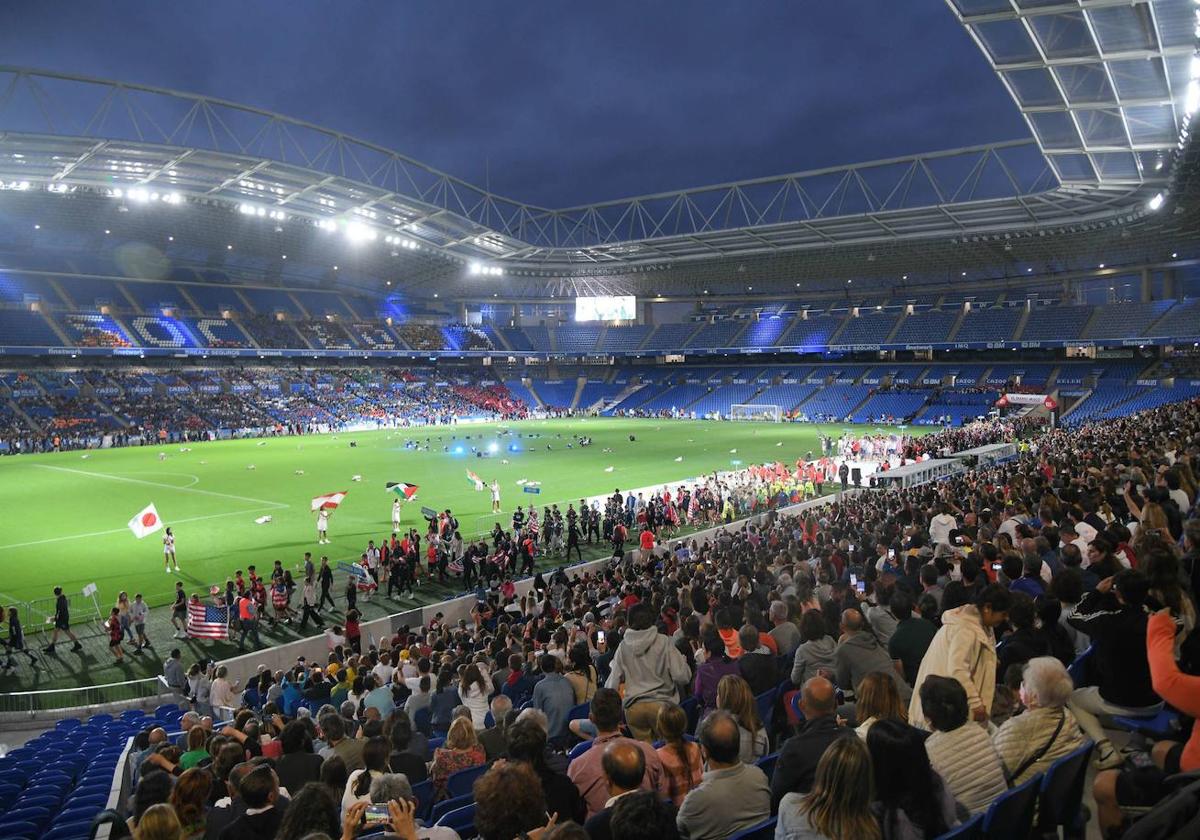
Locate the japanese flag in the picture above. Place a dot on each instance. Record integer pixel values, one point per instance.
(146, 522)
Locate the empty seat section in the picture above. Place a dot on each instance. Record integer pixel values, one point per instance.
(88, 292)
(556, 393)
(517, 388)
(320, 304)
(763, 332)
(539, 339)
(816, 331)
(593, 392)
(25, 288)
(994, 324)
(1105, 397)
(926, 327)
(716, 335)
(721, 398)
(154, 297)
(868, 328)
(677, 396)
(670, 338)
(1056, 323)
(786, 396)
(577, 338)
(1183, 320)
(22, 328)
(835, 402)
(517, 339)
(899, 405)
(270, 301)
(624, 339)
(1125, 320)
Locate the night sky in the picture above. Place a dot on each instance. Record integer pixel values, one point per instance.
(571, 102)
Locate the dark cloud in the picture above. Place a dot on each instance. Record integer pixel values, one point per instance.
(563, 103)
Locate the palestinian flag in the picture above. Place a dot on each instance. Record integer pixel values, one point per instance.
(329, 501)
(402, 489)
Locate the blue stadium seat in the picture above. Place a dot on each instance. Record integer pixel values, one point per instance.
(444, 807)
(462, 820)
(462, 782)
(1011, 815)
(765, 830)
(767, 764)
(19, 830)
(1061, 799)
(423, 792)
(972, 829)
(1162, 725)
(579, 749)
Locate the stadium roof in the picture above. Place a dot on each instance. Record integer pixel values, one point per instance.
(1103, 84)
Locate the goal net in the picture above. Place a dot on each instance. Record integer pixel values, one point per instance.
(756, 411)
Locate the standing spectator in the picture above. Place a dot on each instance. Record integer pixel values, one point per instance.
(62, 622)
(965, 648)
(732, 796)
(912, 637)
(962, 754)
(651, 668)
(681, 759)
(460, 752)
(189, 798)
(473, 691)
(350, 750)
(408, 751)
(554, 696)
(115, 633)
(139, 610)
(833, 809)
(816, 651)
(16, 639)
(912, 801)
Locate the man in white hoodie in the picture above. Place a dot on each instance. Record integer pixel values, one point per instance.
(651, 668)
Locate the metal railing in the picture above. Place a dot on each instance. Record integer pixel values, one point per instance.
(80, 697)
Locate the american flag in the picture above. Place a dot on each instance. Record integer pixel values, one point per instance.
(205, 621)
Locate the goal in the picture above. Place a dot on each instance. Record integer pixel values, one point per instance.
(756, 411)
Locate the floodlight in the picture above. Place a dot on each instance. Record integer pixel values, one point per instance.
(475, 268)
(1156, 202)
(358, 232)
(1191, 100)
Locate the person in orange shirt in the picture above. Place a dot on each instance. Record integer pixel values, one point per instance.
(1144, 787)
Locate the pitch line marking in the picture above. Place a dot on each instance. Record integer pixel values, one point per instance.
(120, 530)
(263, 502)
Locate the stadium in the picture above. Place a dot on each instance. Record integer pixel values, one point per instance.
(748, 467)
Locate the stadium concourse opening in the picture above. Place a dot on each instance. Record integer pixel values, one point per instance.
(858, 501)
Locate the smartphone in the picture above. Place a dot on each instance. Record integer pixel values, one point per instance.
(997, 567)
(853, 579)
(851, 549)
(376, 814)
(861, 587)
(599, 637)
(891, 554)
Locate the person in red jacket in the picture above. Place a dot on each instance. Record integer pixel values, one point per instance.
(1144, 786)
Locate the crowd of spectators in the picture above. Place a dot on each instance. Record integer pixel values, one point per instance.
(926, 634)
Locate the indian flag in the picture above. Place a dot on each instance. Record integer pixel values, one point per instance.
(402, 489)
(329, 501)
(474, 479)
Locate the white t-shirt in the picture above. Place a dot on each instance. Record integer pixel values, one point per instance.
(384, 672)
(322, 521)
(168, 543)
(495, 492)
(940, 527)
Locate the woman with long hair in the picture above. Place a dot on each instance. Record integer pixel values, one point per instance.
(833, 809)
(582, 673)
(473, 691)
(189, 798)
(816, 648)
(313, 810)
(375, 754)
(734, 696)
(681, 758)
(716, 666)
(159, 823)
(911, 799)
(461, 751)
(876, 699)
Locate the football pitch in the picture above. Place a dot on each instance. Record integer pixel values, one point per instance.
(65, 514)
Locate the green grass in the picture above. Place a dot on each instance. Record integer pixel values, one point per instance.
(64, 515)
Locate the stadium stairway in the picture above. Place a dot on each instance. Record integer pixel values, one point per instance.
(899, 323)
(580, 381)
(962, 316)
(1019, 331)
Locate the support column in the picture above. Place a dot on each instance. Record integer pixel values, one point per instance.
(1147, 286)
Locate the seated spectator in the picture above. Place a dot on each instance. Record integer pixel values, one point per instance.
(312, 809)
(913, 633)
(833, 809)
(1113, 615)
(404, 758)
(641, 816)
(911, 800)
(709, 674)
(460, 752)
(624, 768)
(1144, 786)
(960, 752)
(258, 790)
(196, 749)
(508, 802)
(681, 759)
(494, 739)
(757, 663)
(159, 823)
(298, 765)
(859, 653)
(154, 788)
(1046, 731)
(333, 728)
(586, 771)
(444, 701)
(783, 629)
(527, 744)
(395, 787)
(189, 798)
(816, 651)
(732, 796)
(965, 648)
(875, 699)
(733, 696)
(797, 763)
(581, 673)
(375, 763)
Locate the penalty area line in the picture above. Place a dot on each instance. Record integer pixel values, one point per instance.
(110, 477)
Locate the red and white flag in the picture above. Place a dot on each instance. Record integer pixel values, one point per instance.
(146, 522)
(329, 501)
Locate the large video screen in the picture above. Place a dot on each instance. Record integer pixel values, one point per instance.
(606, 308)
